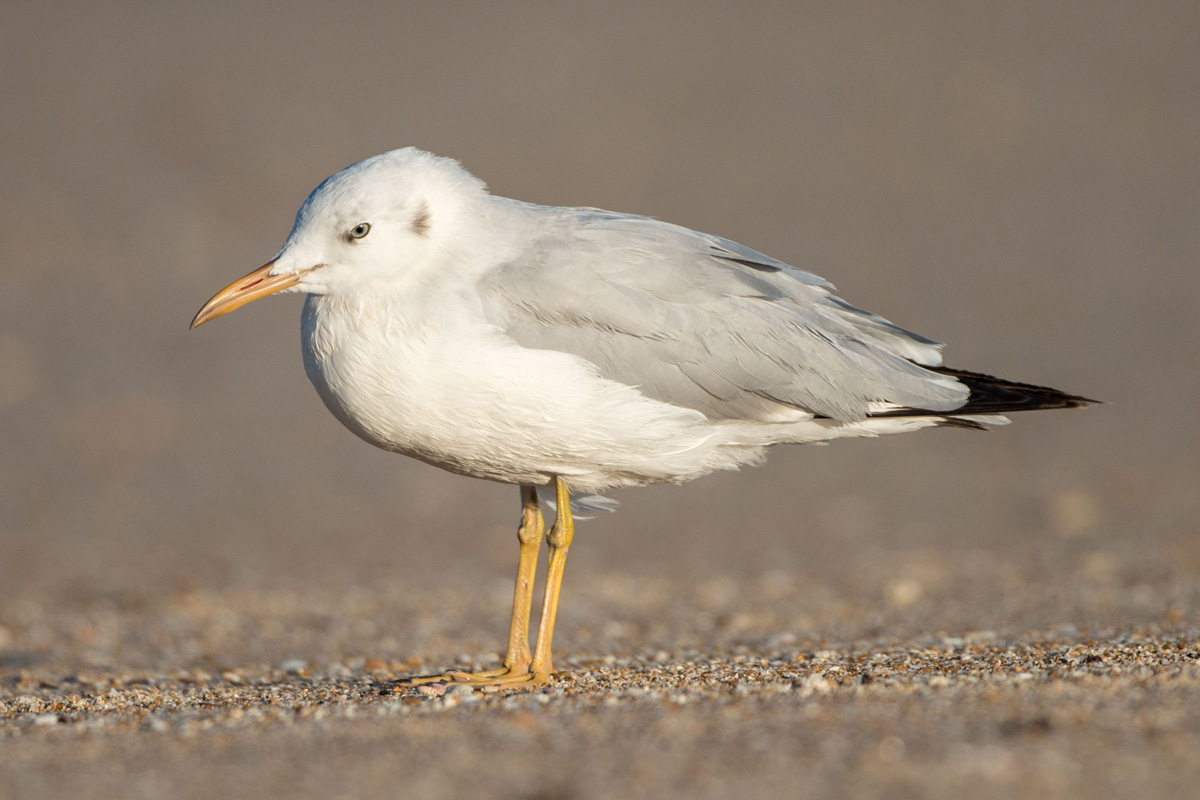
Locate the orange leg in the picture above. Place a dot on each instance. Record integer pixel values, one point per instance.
(559, 542)
(520, 667)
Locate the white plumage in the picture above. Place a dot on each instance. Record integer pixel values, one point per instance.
(535, 345)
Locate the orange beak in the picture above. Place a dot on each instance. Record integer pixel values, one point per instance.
(244, 290)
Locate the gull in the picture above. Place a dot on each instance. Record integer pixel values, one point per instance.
(582, 350)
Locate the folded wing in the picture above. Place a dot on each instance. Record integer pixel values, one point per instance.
(705, 323)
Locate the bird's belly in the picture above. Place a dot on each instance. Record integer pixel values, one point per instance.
(492, 409)
(385, 401)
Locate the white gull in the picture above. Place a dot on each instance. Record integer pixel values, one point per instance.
(538, 346)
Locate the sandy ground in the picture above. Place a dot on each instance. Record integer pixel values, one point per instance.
(673, 690)
(206, 584)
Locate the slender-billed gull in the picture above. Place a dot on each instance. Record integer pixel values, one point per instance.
(537, 345)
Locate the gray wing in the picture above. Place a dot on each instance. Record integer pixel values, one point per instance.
(705, 323)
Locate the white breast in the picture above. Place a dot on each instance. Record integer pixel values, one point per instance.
(441, 385)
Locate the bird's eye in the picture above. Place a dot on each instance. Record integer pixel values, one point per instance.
(359, 231)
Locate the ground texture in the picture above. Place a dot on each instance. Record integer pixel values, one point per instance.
(674, 690)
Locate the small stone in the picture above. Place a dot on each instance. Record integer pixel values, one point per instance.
(815, 684)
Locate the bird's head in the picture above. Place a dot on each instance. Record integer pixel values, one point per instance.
(385, 220)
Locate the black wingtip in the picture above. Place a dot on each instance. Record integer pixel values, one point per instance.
(992, 395)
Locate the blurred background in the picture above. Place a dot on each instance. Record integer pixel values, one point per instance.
(1019, 180)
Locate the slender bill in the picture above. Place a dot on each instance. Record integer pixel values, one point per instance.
(244, 290)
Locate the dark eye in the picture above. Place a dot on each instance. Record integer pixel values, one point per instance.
(359, 231)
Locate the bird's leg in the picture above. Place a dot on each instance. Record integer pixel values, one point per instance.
(559, 540)
(516, 662)
(518, 668)
(530, 537)
(529, 534)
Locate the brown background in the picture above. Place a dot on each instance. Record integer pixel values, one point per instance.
(1019, 180)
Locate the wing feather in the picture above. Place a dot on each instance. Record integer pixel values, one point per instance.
(705, 323)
